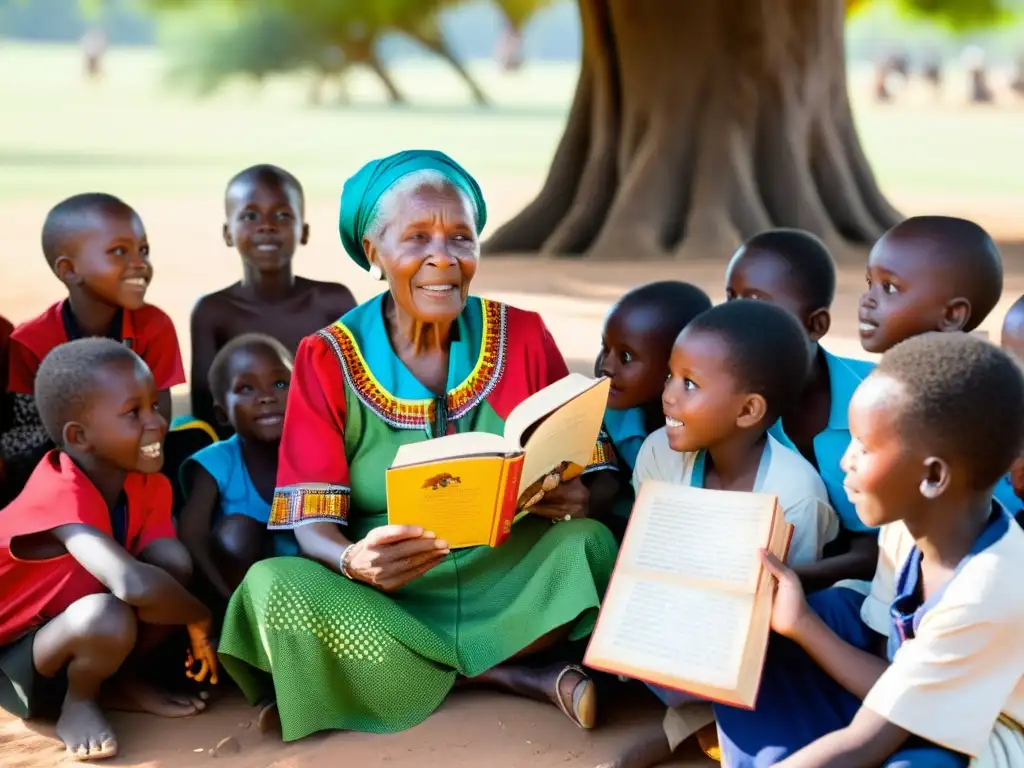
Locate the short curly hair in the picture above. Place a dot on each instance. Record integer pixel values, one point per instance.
(964, 252)
(811, 267)
(673, 302)
(67, 380)
(217, 377)
(768, 352)
(962, 397)
(264, 173)
(68, 217)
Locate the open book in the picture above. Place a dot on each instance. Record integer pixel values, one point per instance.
(689, 604)
(467, 488)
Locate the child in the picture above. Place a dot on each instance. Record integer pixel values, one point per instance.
(5, 417)
(1012, 341)
(89, 567)
(230, 484)
(635, 346)
(794, 270)
(97, 247)
(265, 212)
(928, 448)
(733, 370)
(931, 273)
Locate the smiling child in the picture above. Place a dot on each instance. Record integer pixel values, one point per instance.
(230, 484)
(264, 210)
(97, 246)
(90, 570)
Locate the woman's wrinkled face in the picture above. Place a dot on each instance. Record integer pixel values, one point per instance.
(428, 251)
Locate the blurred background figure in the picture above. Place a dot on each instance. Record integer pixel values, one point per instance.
(976, 65)
(94, 46)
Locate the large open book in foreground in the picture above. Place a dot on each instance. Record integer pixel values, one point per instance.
(689, 604)
(467, 488)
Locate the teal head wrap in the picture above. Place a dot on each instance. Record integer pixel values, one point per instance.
(362, 193)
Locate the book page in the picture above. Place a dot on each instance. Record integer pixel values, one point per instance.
(663, 631)
(548, 400)
(706, 537)
(450, 447)
(567, 436)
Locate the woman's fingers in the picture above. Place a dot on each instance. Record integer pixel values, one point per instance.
(389, 534)
(392, 553)
(401, 579)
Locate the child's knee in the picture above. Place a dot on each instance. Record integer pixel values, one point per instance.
(104, 622)
(171, 556)
(240, 539)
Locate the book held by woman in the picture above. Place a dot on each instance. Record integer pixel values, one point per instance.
(467, 488)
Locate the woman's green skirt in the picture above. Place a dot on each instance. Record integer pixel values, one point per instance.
(342, 655)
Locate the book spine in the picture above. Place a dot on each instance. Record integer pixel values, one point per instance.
(512, 473)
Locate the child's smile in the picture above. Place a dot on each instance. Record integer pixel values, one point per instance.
(699, 395)
(111, 260)
(257, 393)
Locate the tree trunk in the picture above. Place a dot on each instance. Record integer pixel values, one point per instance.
(697, 123)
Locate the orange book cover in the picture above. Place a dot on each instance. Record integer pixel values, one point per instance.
(455, 500)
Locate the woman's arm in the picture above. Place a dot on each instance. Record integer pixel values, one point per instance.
(196, 525)
(388, 558)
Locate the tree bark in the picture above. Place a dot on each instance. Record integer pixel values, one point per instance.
(696, 124)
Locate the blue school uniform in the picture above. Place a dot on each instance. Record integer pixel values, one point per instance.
(625, 431)
(799, 703)
(845, 375)
(1006, 496)
(238, 495)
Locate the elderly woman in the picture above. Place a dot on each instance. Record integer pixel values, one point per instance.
(372, 628)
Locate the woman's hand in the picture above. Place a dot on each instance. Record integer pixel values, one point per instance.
(570, 499)
(790, 605)
(393, 555)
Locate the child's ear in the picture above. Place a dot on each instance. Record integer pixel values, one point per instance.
(74, 437)
(818, 323)
(305, 235)
(228, 240)
(753, 412)
(65, 270)
(221, 415)
(956, 315)
(936, 477)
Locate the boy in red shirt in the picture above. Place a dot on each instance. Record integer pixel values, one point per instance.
(5, 337)
(90, 572)
(96, 245)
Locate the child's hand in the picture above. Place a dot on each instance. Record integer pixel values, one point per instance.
(202, 652)
(790, 605)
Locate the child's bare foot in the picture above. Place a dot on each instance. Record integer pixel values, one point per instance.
(133, 695)
(649, 748)
(85, 731)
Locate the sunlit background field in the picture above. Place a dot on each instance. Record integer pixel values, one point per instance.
(169, 154)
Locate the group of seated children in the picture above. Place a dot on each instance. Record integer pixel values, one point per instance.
(739, 396)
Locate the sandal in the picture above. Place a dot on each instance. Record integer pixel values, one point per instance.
(584, 698)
